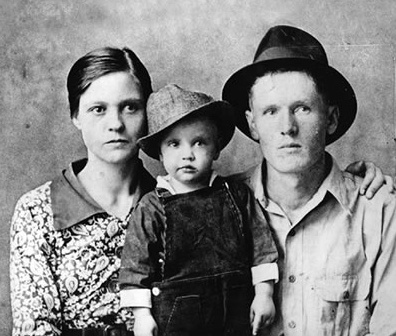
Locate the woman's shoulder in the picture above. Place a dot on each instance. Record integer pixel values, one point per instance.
(33, 212)
(36, 196)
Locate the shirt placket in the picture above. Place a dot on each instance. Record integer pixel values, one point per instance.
(293, 281)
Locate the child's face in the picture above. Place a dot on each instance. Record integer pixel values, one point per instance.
(187, 152)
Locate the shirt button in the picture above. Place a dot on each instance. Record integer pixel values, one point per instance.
(345, 295)
(156, 291)
(113, 286)
(292, 232)
(292, 324)
(292, 278)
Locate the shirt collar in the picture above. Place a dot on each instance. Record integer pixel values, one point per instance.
(333, 183)
(163, 182)
(71, 204)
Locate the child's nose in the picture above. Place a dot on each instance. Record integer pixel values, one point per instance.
(187, 153)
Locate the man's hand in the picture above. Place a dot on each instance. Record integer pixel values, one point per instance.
(144, 323)
(373, 178)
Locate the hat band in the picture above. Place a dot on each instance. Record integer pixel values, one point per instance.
(313, 53)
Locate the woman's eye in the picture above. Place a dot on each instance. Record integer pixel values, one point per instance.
(130, 108)
(97, 109)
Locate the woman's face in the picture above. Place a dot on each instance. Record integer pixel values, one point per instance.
(111, 117)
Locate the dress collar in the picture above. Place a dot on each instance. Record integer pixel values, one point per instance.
(71, 204)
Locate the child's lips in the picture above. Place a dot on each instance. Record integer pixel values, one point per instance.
(187, 169)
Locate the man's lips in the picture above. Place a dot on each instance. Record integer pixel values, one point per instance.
(289, 146)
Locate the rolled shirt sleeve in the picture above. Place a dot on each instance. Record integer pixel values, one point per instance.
(142, 252)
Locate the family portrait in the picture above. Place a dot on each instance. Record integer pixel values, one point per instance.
(198, 168)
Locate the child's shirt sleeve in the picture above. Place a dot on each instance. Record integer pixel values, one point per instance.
(142, 253)
(264, 253)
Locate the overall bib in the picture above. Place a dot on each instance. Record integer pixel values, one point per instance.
(206, 287)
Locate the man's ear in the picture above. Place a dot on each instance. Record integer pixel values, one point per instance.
(333, 116)
(76, 122)
(252, 125)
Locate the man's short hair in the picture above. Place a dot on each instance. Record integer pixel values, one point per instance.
(323, 87)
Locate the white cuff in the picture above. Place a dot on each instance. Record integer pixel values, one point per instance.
(136, 297)
(265, 272)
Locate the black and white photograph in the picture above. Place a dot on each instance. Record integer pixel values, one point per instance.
(198, 168)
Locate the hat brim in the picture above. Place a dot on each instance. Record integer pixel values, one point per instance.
(236, 91)
(220, 111)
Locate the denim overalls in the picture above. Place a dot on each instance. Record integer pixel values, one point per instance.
(206, 286)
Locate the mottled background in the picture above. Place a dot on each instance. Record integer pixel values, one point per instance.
(197, 44)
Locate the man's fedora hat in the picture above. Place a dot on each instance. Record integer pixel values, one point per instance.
(290, 48)
(171, 104)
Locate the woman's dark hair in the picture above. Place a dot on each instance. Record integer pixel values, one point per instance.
(98, 63)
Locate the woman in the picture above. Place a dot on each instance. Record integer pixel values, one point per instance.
(67, 235)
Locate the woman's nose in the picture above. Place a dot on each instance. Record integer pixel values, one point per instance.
(114, 121)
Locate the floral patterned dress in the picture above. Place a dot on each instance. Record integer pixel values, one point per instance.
(65, 258)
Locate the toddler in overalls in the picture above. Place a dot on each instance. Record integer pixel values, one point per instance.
(199, 258)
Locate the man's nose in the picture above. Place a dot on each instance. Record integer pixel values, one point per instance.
(287, 123)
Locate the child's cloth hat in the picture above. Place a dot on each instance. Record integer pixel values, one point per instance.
(171, 104)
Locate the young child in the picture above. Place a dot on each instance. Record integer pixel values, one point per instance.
(197, 243)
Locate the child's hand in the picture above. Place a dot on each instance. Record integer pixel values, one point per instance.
(144, 323)
(262, 312)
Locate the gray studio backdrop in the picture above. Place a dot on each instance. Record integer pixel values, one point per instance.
(196, 44)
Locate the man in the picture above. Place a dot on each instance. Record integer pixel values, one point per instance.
(337, 248)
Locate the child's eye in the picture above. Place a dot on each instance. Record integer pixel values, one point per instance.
(172, 143)
(200, 143)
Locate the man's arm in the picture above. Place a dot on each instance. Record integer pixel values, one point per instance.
(373, 177)
(383, 298)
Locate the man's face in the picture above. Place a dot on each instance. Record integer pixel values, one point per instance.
(290, 119)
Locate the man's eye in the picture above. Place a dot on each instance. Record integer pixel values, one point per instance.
(270, 111)
(302, 109)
